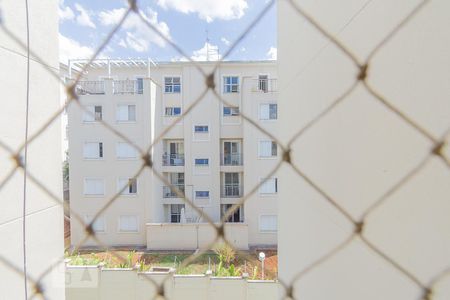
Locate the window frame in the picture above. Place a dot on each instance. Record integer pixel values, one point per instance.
(225, 84)
(100, 149)
(271, 149)
(172, 84)
(236, 113)
(202, 131)
(264, 181)
(119, 223)
(94, 195)
(269, 119)
(88, 220)
(95, 120)
(202, 196)
(128, 186)
(128, 112)
(201, 164)
(267, 231)
(176, 214)
(127, 157)
(172, 108)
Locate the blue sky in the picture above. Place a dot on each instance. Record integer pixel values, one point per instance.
(84, 24)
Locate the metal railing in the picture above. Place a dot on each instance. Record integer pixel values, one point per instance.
(232, 159)
(130, 87)
(176, 159)
(170, 191)
(231, 191)
(89, 87)
(265, 85)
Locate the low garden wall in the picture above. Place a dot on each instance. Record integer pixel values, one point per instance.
(96, 282)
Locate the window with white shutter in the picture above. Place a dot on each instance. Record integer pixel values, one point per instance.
(268, 223)
(94, 186)
(126, 113)
(268, 111)
(99, 224)
(268, 186)
(128, 223)
(268, 148)
(93, 150)
(125, 151)
(92, 113)
(127, 186)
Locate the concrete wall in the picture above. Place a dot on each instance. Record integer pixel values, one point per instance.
(92, 282)
(43, 217)
(170, 236)
(361, 149)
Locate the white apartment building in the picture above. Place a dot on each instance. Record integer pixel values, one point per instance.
(212, 154)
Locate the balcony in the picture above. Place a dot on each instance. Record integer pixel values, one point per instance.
(232, 159)
(171, 191)
(231, 191)
(176, 159)
(86, 87)
(127, 87)
(264, 85)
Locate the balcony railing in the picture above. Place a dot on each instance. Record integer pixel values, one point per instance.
(85, 87)
(121, 87)
(169, 192)
(173, 159)
(265, 85)
(231, 191)
(232, 159)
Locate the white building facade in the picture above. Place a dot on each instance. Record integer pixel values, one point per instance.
(212, 155)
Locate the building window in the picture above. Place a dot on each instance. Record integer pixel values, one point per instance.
(201, 128)
(125, 151)
(230, 111)
(173, 111)
(139, 85)
(230, 84)
(269, 186)
(268, 112)
(236, 217)
(268, 149)
(201, 161)
(126, 113)
(93, 150)
(98, 225)
(94, 186)
(201, 194)
(175, 212)
(128, 186)
(263, 83)
(268, 223)
(128, 224)
(172, 84)
(93, 113)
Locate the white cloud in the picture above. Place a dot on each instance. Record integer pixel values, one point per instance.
(135, 43)
(208, 10)
(83, 17)
(138, 36)
(65, 12)
(243, 49)
(71, 49)
(225, 41)
(202, 53)
(122, 43)
(272, 53)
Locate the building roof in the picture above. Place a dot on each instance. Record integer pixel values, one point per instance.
(101, 63)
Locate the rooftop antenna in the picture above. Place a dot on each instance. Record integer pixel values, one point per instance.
(207, 45)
